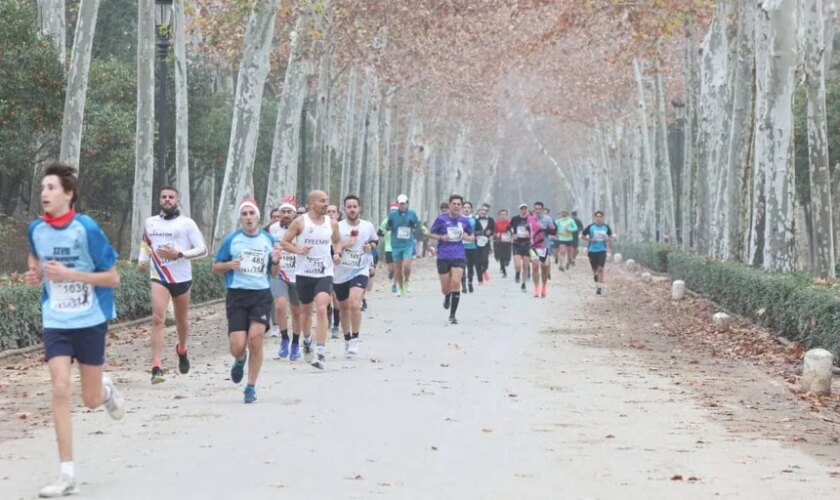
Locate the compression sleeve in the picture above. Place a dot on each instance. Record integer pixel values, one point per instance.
(199, 248)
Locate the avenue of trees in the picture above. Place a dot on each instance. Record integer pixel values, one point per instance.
(706, 124)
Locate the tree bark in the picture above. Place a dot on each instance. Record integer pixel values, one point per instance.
(689, 180)
(358, 170)
(144, 163)
(182, 121)
(349, 129)
(645, 194)
(77, 81)
(253, 69)
(51, 13)
(772, 243)
(665, 181)
(373, 145)
(818, 167)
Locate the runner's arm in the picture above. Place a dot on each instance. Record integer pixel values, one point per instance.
(223, 262)
(199, 248)
(291, 234)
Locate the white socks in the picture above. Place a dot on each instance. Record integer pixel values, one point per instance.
(67, 469)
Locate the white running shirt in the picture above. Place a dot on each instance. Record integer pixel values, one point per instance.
(318, 263)
(181, 233)
(354, 261)
(287, 259)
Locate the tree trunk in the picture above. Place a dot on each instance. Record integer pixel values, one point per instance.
(253, 69)
(51, 13)
(666, 183)
(182, 124)
(645, 194)
(772, 243)
(408, 151)
(820, 179)
(77, 81)
(373, 143)
(357, 172)
(387, 151)
(349, 129)
(144, 163)
(285, 149)
(689, 180)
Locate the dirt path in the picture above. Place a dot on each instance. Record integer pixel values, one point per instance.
(574, 396)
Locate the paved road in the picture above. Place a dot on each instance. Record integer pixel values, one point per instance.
(504, 405)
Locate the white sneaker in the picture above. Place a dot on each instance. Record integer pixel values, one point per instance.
(347, 348)
(115, 405)
(353, 347)
(308, 351)
(65, 486)
(274, 331)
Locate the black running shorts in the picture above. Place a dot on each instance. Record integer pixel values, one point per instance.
(444, 266)
(247, 306)
(308, 287)
(597, 259)
(342, 290)
(175, 289)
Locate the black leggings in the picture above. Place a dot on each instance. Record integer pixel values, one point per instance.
(483, 260)
(472, 266)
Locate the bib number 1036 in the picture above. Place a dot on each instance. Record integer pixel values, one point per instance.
(70, 296)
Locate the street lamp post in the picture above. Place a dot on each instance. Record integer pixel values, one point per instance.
(163, 20)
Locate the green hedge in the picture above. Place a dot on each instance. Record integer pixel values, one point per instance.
(650, 255)
(786, 302)
(21, 325)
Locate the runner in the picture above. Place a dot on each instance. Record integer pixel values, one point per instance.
(402, 223)
(247, 259)
(283, 288)
(358, 239)
(274, 217)
(566, 229)
(576, 236)
(471, 252)
(451, 230)
(502, 241)
(599, 236)
(332, 309)
(170, 240)
(484, 227)
(385, 235)
(521, 231)
(315, 239)
(541, 228)
(71, 259)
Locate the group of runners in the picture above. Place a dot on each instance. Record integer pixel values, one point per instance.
(306, 261)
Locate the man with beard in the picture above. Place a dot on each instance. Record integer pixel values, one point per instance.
(247, 259)
(315, 239)
(170, 240)
(484, 227)
(503, 238)
(283, 288)
(358, 239)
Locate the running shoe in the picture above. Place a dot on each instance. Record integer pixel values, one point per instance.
(274, 331)
(320, 362)
(598, 289)
(536, 290)
(364, 304)
(390, 275)
(524, 288)
(486, 276)
(284, 348)
(463, 287)
(347, 348)
(394, 288)
(453, 320)
(294, 354)
(353, 349)
(65, 486)
(446, 301)
(183, 362)
(250, 394)
(407, 287)
(517, 276)
(399, 292)
(470, 287)
(115, 404)
(237, 371)
(334, 334)
(308, 352)
(568, 265)
(544, 291)
(157, 375)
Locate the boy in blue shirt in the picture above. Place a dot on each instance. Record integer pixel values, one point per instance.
(72, 259)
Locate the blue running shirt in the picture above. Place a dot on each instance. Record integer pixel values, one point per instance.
(81, 245)
(254, 252)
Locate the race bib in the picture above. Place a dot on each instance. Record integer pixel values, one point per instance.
(314, 266)
(481, 241)
(403, 233)
(70, 296)
(288, 261)
(168, 244)
(541, 252)
(506, 237)
(351, 258)
(253, 262)
(522, 231)
(454, 233)
(599, 236)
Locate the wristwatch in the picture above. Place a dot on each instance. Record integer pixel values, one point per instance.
(180, 255)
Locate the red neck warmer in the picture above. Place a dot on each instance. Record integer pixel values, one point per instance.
(60, 221)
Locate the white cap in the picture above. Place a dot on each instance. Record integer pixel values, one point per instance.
(523, 205)
(402, 199)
